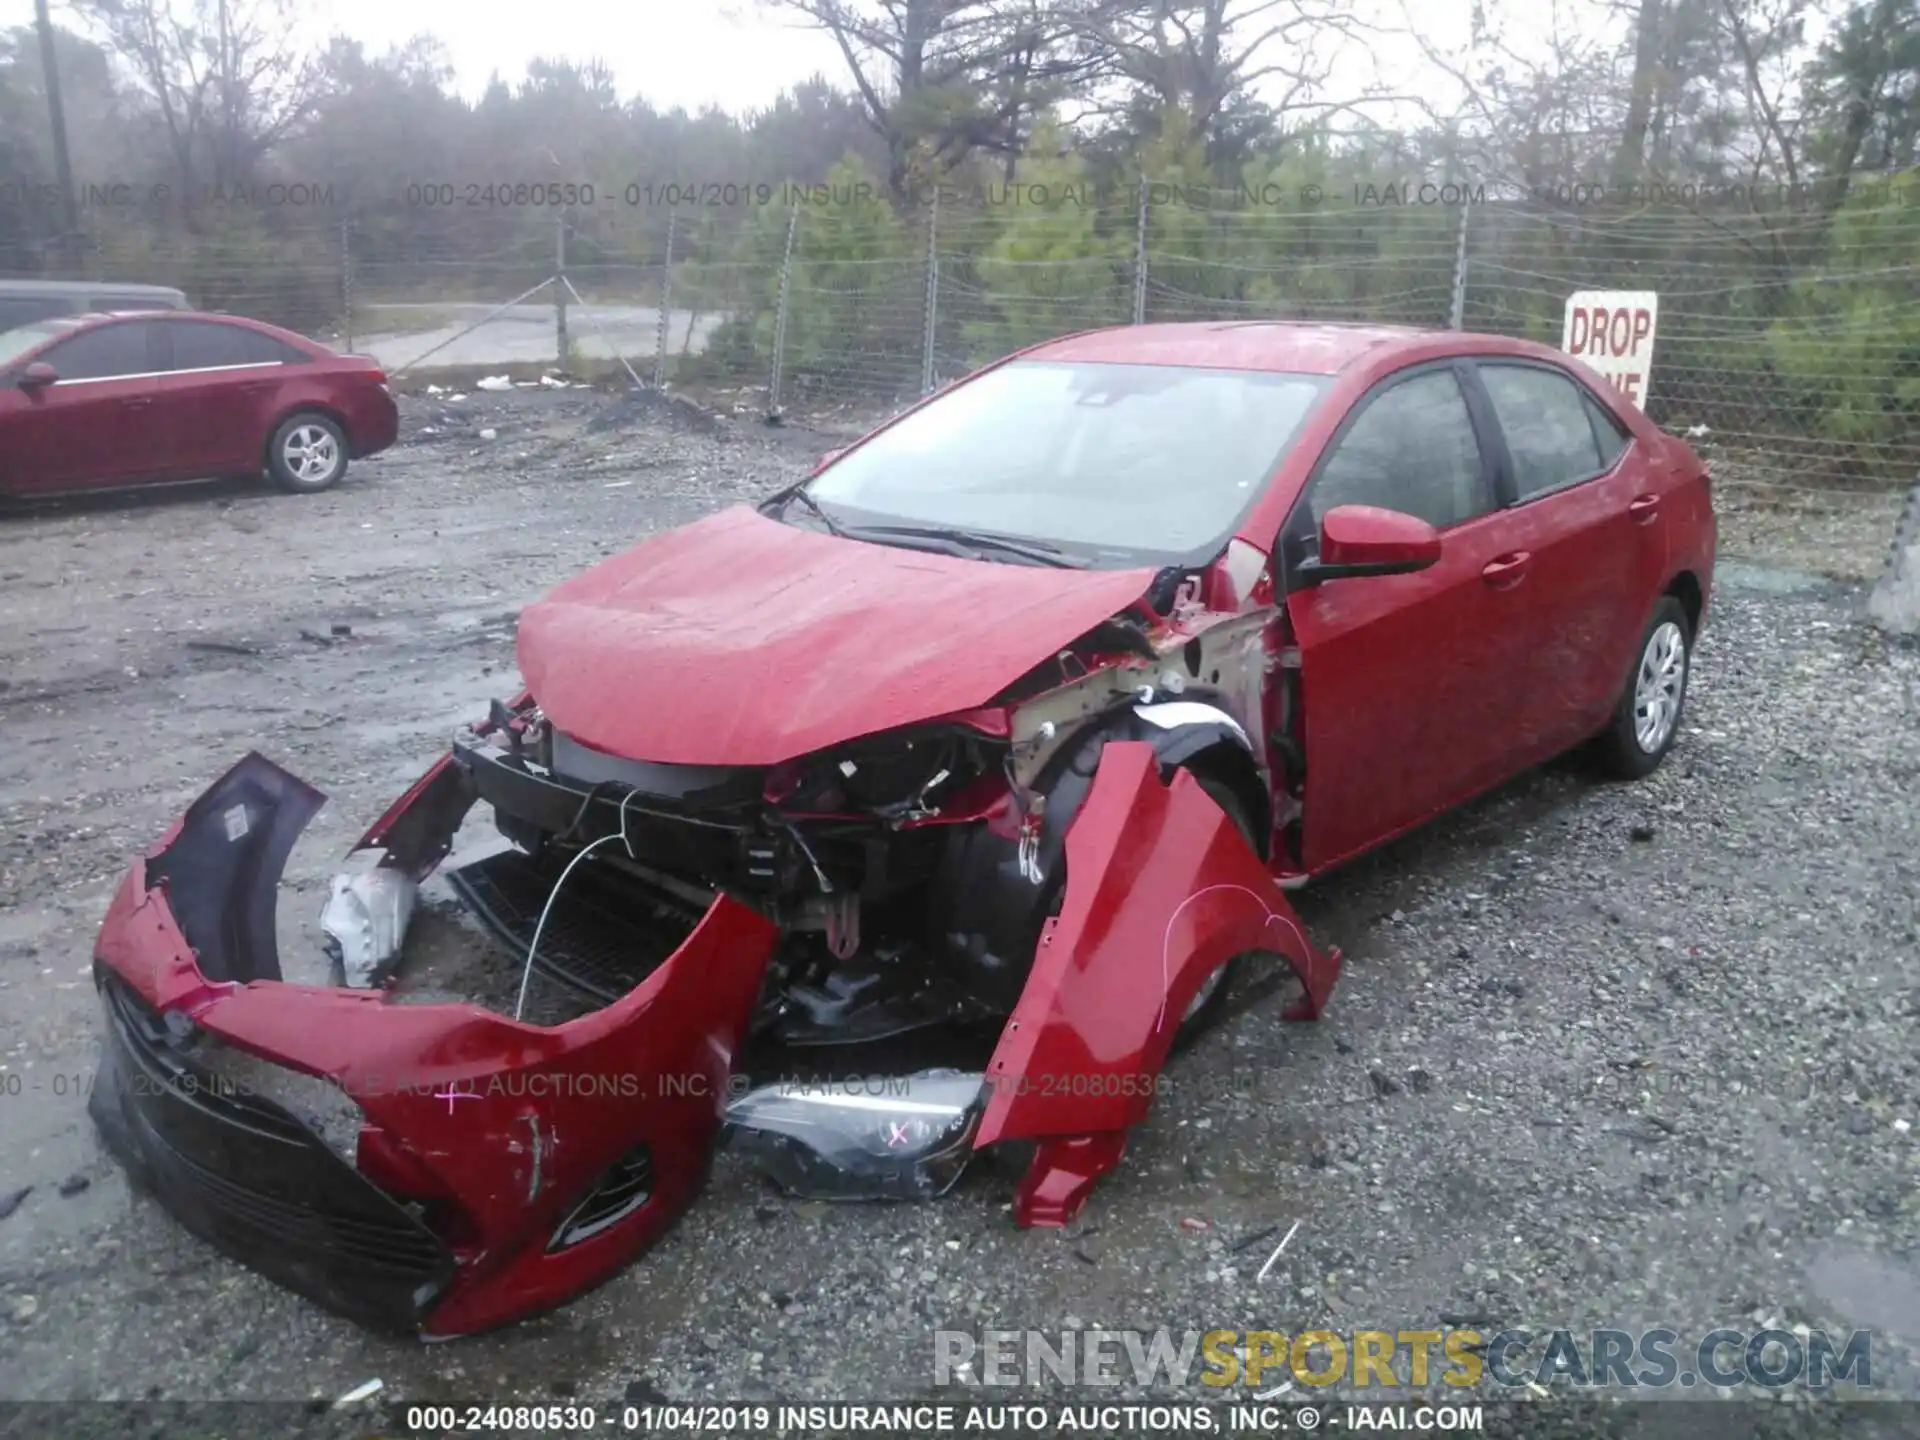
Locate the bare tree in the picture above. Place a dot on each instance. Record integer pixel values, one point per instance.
(940, 79)
(1198, 57)
(1766, 39)
(1529, 119)
(225, 77)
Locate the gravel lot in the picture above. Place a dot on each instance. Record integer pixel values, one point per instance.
(1602, 1056)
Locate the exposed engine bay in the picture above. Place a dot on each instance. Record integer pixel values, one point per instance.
(910, 872)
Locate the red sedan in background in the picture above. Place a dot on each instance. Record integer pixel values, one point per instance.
(103, 401)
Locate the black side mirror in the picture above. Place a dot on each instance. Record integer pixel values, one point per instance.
(38, 375)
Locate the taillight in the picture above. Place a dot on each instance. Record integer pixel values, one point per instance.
(379, 377)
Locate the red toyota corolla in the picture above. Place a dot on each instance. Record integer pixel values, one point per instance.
(923, 807)
(103, 401)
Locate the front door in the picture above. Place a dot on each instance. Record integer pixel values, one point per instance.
(98, 423)
(1406, 680)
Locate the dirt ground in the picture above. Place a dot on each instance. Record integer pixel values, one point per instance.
(1602, 1056)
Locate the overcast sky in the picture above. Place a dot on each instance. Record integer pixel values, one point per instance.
(674, 52)
(688, 53)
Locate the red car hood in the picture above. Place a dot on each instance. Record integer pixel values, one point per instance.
(738, 640)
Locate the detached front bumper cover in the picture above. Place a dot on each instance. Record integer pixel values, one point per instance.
(500, 1167)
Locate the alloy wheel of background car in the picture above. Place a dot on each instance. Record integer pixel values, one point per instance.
(1658, 686)
(1647, 719)
(308, 453)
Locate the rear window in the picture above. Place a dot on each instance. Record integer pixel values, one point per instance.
(1607, 430)
(202, 345)
(1549, 431)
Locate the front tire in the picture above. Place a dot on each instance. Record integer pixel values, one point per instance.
(1646, 721)
(308, 453)
(1203, 1011)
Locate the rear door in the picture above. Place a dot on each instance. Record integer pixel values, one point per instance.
(98, 423)
(1407, 681)
(219, 390)
(1579, 497)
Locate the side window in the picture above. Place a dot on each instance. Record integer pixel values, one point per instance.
(104, 353)
(1548, 426)
(1412, 449)
(265, 347)
(25, 309)
(199, 345)
(1608, 432)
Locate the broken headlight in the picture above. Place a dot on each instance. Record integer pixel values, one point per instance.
(898, 1138)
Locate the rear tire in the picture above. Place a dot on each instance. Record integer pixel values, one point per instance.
(308, 453)
(1646, 720)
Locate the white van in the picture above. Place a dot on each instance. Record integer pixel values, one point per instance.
(24, 301)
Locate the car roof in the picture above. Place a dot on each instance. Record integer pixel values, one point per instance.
(61, 326)
(1299, 347)
(168, 315)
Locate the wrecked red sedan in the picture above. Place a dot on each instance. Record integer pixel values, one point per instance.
(922, 808)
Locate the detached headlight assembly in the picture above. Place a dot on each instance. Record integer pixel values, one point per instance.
(902, 1138)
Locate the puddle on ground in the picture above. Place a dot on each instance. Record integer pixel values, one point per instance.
(1873, 1291)
(1768, 579)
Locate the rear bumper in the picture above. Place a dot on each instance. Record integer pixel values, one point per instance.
(484, 1145)
(376, 424)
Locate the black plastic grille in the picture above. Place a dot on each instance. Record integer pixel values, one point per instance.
(247, 1175)
(603, 936)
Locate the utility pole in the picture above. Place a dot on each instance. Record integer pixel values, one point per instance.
(560, 341)
(57, 117)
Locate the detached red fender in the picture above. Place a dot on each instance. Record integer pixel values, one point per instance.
(1162, 889)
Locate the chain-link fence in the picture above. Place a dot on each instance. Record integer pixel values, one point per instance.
(1787, 348)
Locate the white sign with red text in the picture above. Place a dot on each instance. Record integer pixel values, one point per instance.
(1612, 331)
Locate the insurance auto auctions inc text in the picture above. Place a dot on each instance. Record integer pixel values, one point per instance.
(1225, 1364)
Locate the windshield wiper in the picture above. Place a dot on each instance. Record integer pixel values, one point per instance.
(799, 492)
(963, 540)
